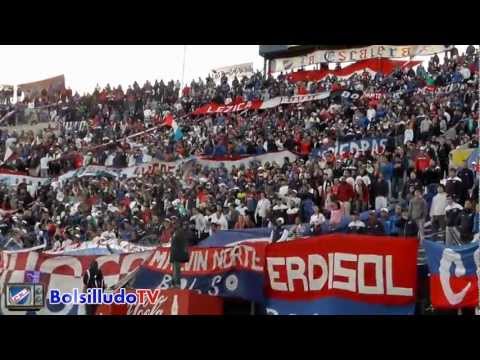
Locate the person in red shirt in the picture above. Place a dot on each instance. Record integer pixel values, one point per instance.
(422, 162)
(345, 195)
(305, 146)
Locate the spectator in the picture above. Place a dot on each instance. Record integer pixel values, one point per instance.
(466, 223)
(345, 195)
(452, 212)
(437, 211)
(218, 221)
(417, 211)
(316, 221)
(374, 227)
(279, 232)
(406, 226)
(380, 189)
(356, 225)
(263, 206)
(453, 185)
(335, 215)
(299, 229)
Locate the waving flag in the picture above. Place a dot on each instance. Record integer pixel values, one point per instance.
(455, 275)
(170, 121)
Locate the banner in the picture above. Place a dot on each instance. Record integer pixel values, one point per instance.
(280, 100)
(235, 272)
(342, 274)
(63, 273)
(235, 237)
(213, 108)
(455, 275)
(150, 168)
(230, 72)
(229, 161)
(376, 145)
(12, 178)
(99, 246)
(51, 85)
(372, 66)
(355, 54)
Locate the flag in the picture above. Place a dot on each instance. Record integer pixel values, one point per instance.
(8, 154)
(454, 275)
(170, 121)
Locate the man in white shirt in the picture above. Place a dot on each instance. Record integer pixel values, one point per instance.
(437, 210)
(44, 165)
(356, 225)
(219, 220)
(200, 222)
(316, 220)
(263, 206)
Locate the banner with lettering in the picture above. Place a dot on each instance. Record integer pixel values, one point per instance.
(63, 273)
(354, 54)
(372, 66)
(375, 145)
(342, 274)
(455, 275)
(235, 272)
(281, 100)
(214, 108)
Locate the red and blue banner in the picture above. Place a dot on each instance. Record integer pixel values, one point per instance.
(342, 274)
(232, 272)
(455, 275)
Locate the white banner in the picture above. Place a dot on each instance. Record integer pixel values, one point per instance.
(12, 179)
(278, 157)
(230, 72)
(117, 246)
(352, 55)
(280, 100)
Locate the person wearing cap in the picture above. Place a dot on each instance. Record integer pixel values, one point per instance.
(452, 213)
(279, 231)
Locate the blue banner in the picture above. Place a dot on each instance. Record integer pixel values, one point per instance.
(375, 145)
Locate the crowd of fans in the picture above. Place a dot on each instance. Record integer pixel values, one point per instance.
(406, 188)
